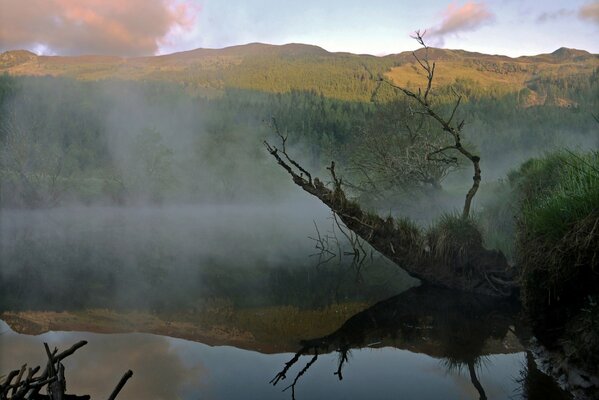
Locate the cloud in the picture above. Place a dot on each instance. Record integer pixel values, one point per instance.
(70, 27)
(468, 17)
(551, 16)
(590, 12)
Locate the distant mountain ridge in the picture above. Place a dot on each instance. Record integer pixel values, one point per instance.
(281, 68)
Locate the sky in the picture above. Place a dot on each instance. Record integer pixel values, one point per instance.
(150, 27)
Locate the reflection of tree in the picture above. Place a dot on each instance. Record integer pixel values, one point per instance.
(454, 326)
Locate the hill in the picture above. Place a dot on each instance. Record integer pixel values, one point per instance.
(346, 76)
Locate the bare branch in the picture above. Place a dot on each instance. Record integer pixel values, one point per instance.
(302, 372)
(120, 385)
(284, 150)
(446, 124)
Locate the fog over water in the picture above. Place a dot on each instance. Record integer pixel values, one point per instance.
(244, 235)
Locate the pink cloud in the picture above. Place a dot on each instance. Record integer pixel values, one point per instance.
(468, 17)
(115, 27)
(590, 12)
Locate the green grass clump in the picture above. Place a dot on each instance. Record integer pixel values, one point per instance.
(572, 198)
(453, 238)
(409, 229)
(557, 227)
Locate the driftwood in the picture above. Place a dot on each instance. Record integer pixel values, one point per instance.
(52, 378)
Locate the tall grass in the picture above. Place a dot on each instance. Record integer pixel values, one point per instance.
(573, 197)
(452, 238)
(558, 245)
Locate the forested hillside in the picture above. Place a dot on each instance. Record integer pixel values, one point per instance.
(189, 125)
(114, 140)
(345, 76)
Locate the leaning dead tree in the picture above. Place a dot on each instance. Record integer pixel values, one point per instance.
(21, 386)
(437, 259)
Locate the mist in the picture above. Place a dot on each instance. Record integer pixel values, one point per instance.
(120, 194)
(154, 194)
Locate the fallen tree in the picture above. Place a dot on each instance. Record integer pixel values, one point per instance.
(451, 254)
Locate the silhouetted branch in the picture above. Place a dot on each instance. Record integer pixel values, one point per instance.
(120, 385)
(53, 378)
(282, 374)
(446, 124)
(302, 372)
(284, 150)
(343, 352)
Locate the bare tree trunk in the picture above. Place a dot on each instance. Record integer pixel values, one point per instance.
(470, 195)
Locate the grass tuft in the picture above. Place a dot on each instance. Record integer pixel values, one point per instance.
(452, 239)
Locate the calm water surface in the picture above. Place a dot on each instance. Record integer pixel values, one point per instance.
(167, 368)
(243, 277)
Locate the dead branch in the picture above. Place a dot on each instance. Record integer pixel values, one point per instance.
(282, 374)
(53, 379)
(446, 124)
(120, 385)
(323, 245)
(284, 150)
(343, 358)
(302, 372)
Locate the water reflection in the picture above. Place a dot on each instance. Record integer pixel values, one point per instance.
(461, 329)
(96, 368)
(423, 344)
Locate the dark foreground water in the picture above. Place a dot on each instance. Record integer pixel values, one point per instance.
(167, 368)
(425, 343)
(239, 283)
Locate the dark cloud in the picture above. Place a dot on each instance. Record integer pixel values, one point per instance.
(468, 17)
(71, 27)
(590, 12)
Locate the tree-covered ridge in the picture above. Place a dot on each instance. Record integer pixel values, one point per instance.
(281, 69)
(116, 141)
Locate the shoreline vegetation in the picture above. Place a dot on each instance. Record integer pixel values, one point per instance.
(558, 252)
